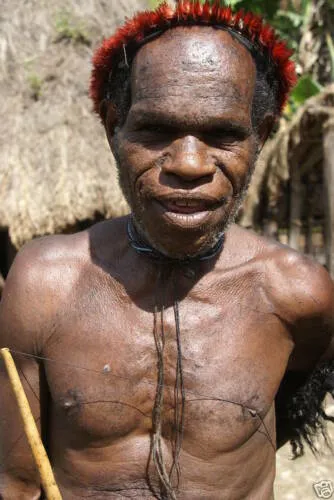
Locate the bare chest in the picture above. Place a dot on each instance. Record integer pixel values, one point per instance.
(231, 362)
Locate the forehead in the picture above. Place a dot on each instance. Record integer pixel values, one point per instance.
(199, 70)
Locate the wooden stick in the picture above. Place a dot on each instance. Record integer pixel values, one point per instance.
(41, 459)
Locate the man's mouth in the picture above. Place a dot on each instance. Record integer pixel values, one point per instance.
(185, 206)
(187, 211)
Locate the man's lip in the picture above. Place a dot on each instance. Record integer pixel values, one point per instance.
(188, 204)
(183, 219)
(183, 207)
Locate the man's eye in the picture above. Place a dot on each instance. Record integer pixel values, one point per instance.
(226, 136)
(223, 138)
(157, 129)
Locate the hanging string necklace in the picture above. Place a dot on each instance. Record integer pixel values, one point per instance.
(168, 273)
(180, 396)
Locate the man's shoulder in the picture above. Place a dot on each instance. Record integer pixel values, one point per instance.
(38, 281)
(55, 263)
(70, 251)
(47, 256)
(46, 276)
(305, 283)
(301, 285)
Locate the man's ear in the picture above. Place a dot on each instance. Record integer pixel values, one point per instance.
(109, 118)
(265, 128)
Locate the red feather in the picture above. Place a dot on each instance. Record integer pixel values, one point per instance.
(206, 11)
(190, 12)
(198, 9)
(238, 16)
(215, 10)
(226, 16)
(267, 36)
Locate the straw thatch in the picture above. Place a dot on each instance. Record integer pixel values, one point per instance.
(55, 165)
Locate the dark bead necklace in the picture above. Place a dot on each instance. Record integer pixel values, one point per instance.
(144, 248)
(166, 272)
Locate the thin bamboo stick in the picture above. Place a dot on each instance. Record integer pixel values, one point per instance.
(41, 459)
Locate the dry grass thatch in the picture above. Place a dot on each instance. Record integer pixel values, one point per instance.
(56, 167)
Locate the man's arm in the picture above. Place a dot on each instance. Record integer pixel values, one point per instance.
(309, 311)
(22, 309)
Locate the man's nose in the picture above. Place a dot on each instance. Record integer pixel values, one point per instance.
(188, 159)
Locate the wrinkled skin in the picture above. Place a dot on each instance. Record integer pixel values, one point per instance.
(188, 134)
(247, 316)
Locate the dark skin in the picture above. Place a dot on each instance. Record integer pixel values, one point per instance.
(255, 312)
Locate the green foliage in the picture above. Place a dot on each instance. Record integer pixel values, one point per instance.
(289, 24)
(262, 7)
(35, 84)
(305, 88)
(70, 29)
(154, 3)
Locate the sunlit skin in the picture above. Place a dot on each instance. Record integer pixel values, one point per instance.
(247, 316)
(188, 138)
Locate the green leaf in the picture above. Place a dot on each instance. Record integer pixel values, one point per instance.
(294, 18)
(304, 6)
(233, 3)
(263, 7)
(305, 88)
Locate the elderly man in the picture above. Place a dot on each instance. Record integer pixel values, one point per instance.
(153, 347)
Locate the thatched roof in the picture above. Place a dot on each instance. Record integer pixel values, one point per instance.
(55, 164)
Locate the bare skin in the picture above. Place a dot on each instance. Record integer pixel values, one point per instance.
(247, 316)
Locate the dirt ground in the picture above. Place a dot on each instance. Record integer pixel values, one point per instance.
(295, 478)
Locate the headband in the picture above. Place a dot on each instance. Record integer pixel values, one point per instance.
(259, 38)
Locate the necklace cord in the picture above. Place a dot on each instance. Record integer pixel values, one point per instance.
(157, 413)
(143, 248)
(159, 339)
(193, 396)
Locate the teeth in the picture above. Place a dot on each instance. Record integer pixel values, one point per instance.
(187, 203)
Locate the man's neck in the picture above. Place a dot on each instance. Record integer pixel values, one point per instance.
(142, 247)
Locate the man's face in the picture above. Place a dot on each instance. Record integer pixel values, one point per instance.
(187, 149)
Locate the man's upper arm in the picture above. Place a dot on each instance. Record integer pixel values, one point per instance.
(20, 330)
(306, 305)
(312, 323)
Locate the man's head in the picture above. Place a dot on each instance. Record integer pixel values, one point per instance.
(185, 118)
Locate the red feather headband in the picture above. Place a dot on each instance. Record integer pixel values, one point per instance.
(137, 30)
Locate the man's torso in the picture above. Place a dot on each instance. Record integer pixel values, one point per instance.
(235, 350)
